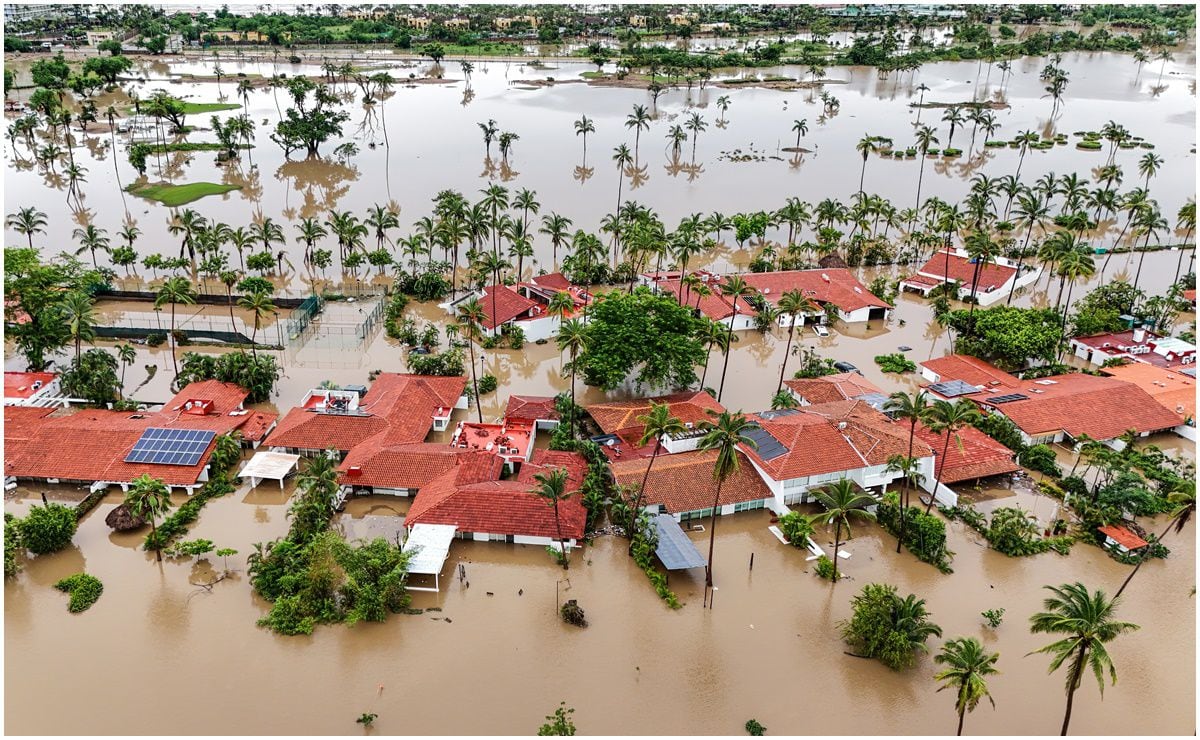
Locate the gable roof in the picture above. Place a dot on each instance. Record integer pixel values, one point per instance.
(972, 371)
(684, 481)
(714, 305)
(470, 497)
(1173, 390)
(971, 454)
(620, 417)
(553, 281)
(1123, 536)
(405, 465)
(839, 387)
(829, 285)
(530, 408)
(398, 404)
(509, 304)
(991, 276)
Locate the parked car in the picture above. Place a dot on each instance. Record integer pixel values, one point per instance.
(820, 330)
(845, 367)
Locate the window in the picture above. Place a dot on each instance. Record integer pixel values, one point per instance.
(749, 505)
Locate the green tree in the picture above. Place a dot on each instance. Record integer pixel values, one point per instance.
(843, 501)
(558, 723)
(27, 222)
(312, 120)
(1085, 620)
(887, 627)
(968, 665)
(912, 408)
(552, 487)
(79, 317)
(47, 529)
(93, 377)
(723, 434)
(148, 498)
(176, 290)
(572, 337)
(470, 319)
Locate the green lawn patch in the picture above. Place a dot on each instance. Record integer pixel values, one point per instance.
(178, 195)
(195, 108)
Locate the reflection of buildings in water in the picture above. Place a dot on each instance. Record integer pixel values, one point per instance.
(322, 182)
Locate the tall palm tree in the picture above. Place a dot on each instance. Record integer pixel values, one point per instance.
(176, 290)
(967, 667)
(552, 486)
(1183, 498)
(470, 321)
(954, 116)
(489, 130)
(865, 146)
(695, 123)
(843, 501)
(147, 498)
(945, 417)
(723, 435)
(127, 355)
(658, 424)
(1086, 622)
(258, 303)
(1032, 210)
(622, 158)
(1148, 167)
(268, 232)
(800, 126)
(638, 120)
(711, 334)
(583, 127)
(733, 288)
(79, 318)
(27, 221)
(1148, 222)
(572, 338)
(1186, 219)
(795, 304)
(558, 229)
(913, 409)
(925, 137)
(91, 239)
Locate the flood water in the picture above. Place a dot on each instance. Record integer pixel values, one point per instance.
(497, 659)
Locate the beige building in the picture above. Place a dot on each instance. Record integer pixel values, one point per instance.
(682, 19)
(253, 37)
(95, 38)
(456, 23)
(506, 23)
(418, 22)
(637, 21)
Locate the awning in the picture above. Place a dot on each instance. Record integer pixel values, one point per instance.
(430, 546)
(675, 548)
(269, 466)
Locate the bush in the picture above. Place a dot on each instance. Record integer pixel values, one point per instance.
(1001, 429)
(12, 545)
(515, 336)
(895, 363)
(924, 534)
(887, 627)
(797, 528)
(951, 152)
(176, 524)
(84, 591)
(487, 384)
(994, 617)
(1089, 145)
(47, 528)
(155, 339)
(824, 567)
(449, 362)
(1040, 458)
(754, 728)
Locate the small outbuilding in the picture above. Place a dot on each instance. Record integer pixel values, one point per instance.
(269, 466)
(1121, 538)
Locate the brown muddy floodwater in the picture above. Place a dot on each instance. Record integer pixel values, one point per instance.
(497, 659)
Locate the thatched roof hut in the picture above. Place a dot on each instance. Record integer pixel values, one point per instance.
(832, 261)
(123, 520)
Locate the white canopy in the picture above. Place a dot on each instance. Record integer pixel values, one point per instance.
(430, 546)
(269, 466)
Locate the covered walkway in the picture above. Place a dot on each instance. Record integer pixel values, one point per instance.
(675, 548)
(430, 546)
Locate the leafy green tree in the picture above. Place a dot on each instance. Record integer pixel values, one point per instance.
(1086, 622)
(148, 498)
(47, 529)
(1007, 336)
(968, 665)
(311, 121)
(257, 374)
(12, 545)
(93, 376)
(558, 723)
(107, 68)
(887, 627)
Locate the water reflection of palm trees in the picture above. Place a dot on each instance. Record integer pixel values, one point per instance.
(321, 182)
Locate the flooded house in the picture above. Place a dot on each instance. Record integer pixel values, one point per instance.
(837, 387)
(969, 455)
(836, 287)
(504, 306)
(32, 389)
(683, 485)
(991, 282)
(622, 432)
(1052, 409)
(1135, 345)
(101, 447)
(1174, 390)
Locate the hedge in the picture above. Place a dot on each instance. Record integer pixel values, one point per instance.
(84, 591)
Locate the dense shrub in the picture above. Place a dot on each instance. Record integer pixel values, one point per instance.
(84, 591)
(924, 534)
(895, 363)
(797, 528)
(12, 545)
(887, 627)
(449, 362)
(48, 528)
(1040, 458)
(487, 384)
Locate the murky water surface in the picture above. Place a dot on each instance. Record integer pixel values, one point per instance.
(500, 659)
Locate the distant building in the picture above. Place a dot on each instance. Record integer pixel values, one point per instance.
(995, 279)
(511, 308)
(32, 389)
(456, 23)
(682, 19)
(100, 35)
(637, 21)
(504, 24)
(17, 12)
(1135, 345)
(829, 388)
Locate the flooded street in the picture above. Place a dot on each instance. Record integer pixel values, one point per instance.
(496, 659)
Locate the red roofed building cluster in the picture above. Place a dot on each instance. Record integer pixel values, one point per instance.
(91, 445)
(31, 389)
(527, 305)
(1135, 345)
(683, 484)
(622, 430)
(828, 388)
(993, 281)
(969, 455)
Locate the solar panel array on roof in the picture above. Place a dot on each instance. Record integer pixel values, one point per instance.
(160, 446)
(1009, 398)
(675, 549)
(767, 447)
(776, 413)
(953, 388)
(876, 401)
(1189, 371)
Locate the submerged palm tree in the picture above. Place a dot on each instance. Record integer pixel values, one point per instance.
(552, 487)
(175, 290)
(967, 667)
(723, 435)
(843, 501)
(658, 424)
(147, 498)
(470, 321)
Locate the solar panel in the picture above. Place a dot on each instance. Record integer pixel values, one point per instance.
(159, 446)
(776, 413)
(953, 388)
(1008, 398)
(768, 448)
(877, 401)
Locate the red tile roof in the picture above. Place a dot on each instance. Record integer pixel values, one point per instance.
(971, 370)
(530, 408)
(841, 288)
(20, 385)
(684, 481)
(553, 281)
(620, 417)
(839, 387)
(406, 465)
(470, 498)
(970, 455)
(509, 305)
(961, 269)
(1123, 536)
(714, 305)
(1173, 390)
(1077, 403)
(400, 404)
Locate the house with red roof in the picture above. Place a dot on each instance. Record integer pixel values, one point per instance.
(618, 420)
(994, 280)
(540, 411)
(836, 387)
(835, 287)
(711, 304)
(510, 308)
(471, 497)
(1135, 345)
(683, 485)
(969, 455)
(1052, 409)
(32, 389)
(100, 446)
(801, 450)
(399, 469)
(398, 408)
(1121, 538)
(541, 289)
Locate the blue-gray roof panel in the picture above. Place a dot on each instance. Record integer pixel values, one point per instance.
(675, 548)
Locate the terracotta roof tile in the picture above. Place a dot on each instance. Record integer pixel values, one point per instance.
(714, 305)
(961, 269)
(1123, 536)
(406, 465)
(684, 481)
(970, 455)
(509, 305)
(842, 289)
(530, 408)
(971, 370)
(620, 417)
(1173, 390)
(839, 387)
(20, 385)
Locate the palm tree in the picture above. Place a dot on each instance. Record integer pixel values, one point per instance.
(638, 120)
(948, 418)
(925, 137)
(310, 230)
(268, 232)
(1075, 264)
(695, 123)
(723, 103)
(843, 501)
(572, 338)
(922, 89)
(27, 221)
(583, 127)
(658, 425)
(733, 288)
(489, 130)
(1166, 56)
(1149, 222)
(954, 116)
(1186, 219)
(175, 290)
(147, 498)
(79, 318)
(91, 239)
(557, 228)
(723, 435)
(967, 666)
(1148, 166)
(127, 355)
(552, 487)
(913, 408)
(258, 303)
(711, 334)
(1086, 622)
(622, 159)
(865, 146)
(470, 320)
(1183, 497)
(800, 126)
(795, 304)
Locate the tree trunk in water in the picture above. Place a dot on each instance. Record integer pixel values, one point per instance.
(562, 544)
(786, 352)
(475, 383)
(961, 715)
(1072, 687)
(154, 533)
(837, 543)
(712, 533)
(174, 362)
(637, 501)
(729, 342)
(1138, 567)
